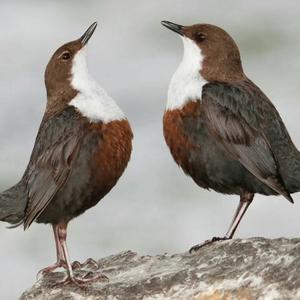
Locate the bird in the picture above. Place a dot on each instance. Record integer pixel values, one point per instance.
(82, 148)
(220, 127)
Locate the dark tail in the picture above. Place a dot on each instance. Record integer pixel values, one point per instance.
(13, 204)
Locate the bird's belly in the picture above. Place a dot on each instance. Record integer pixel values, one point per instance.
(97, 169)
(203, 157)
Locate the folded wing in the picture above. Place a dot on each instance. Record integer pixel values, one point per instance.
(235, 117)
(57, 146)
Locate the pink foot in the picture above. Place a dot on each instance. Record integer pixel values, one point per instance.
(50, 269)
(84, 281)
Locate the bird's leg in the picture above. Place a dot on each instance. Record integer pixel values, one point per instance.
(245, 200)
(88, 277)
(59, 253)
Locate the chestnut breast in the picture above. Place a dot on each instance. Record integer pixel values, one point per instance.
(179, 140)
(111, 152)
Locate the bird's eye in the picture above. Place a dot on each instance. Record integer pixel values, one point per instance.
(200, 37)
(66, 55)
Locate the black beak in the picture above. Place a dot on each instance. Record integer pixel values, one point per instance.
(174, 27)
(87, 35)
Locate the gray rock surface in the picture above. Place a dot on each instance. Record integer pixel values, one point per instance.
(255, 268)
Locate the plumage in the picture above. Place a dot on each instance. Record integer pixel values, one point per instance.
(231, 138)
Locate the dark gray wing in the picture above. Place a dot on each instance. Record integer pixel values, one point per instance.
(235, 114)
(56, 147)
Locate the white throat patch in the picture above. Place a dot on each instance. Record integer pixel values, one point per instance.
(186, 83)
(92, 101)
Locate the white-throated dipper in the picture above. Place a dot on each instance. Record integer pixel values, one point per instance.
(82, 148)
(221, 129)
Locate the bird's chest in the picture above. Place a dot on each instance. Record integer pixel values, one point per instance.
(185, 133)
(109, 153)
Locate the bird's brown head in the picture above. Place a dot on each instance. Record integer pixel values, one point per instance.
(219, 54)
(60, 69)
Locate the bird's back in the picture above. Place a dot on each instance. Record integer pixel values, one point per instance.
(285, 152)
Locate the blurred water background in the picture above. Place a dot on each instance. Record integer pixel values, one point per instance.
(154, 208)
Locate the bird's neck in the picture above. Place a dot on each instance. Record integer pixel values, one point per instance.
(223, 69)
(187, 82)
(59, 99)
(91, 100)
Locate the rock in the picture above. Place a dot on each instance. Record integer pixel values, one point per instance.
(255, 268)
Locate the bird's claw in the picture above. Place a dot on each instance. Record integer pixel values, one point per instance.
(206, 243)
(90, 263)
(76, 265)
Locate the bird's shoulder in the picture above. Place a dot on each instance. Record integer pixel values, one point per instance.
(248, 104)
(243, 98)
(57, 129)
